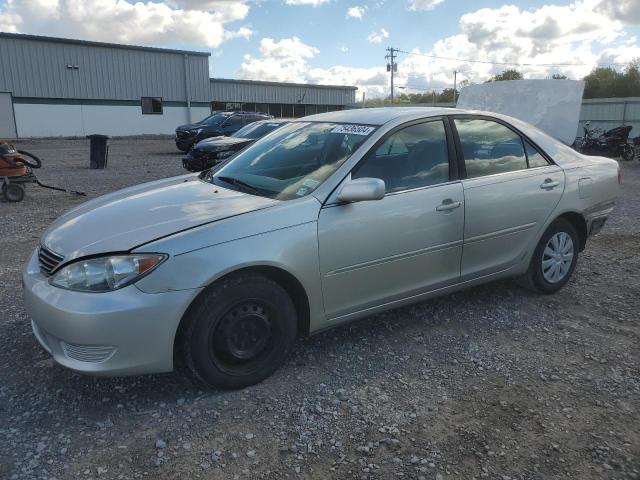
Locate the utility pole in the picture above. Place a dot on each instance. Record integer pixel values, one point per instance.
(455, 85)
(392, 66)
(363, 99)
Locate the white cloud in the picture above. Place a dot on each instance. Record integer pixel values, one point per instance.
(505, 34)
(378, 37)
(144, 23)
(424, 4)
(284, 60)
(313, 3)
(356, 12)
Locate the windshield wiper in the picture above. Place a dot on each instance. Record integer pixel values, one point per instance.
(240, 184)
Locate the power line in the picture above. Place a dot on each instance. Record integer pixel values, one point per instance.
(487, 62)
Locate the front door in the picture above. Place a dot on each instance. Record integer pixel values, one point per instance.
(375, 252)
(510, 191)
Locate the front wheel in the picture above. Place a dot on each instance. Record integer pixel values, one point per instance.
(554, 258)
(239, 332)
(627, 153)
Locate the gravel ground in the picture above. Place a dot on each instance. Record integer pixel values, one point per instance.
(493, 382)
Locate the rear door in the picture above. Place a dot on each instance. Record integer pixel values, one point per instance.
(510, 189)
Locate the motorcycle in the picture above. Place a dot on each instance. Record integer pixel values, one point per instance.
(612, 143)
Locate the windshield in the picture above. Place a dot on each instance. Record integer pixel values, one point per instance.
(293, 161)
(257, 129)
(215, 119)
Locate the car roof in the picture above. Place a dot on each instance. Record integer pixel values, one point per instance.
(272, 120)
(382, 115)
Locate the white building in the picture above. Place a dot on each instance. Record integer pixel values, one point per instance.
(62, 87)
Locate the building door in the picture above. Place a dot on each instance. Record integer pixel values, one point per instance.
(7, 120)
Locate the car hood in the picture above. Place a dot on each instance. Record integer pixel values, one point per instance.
(128, 218)
(189, 126)
(216, 144)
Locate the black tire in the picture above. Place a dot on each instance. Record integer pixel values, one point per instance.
(628, 153)
(238, 332)
(535, 278)
(13, 192)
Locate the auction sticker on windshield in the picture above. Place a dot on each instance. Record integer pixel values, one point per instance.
(354, 129)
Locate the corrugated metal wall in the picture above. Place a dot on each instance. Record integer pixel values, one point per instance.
(38, 68)
(243, 91)
(607, 113)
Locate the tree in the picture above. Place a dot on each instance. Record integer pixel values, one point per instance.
(604, 82)
(511, 74)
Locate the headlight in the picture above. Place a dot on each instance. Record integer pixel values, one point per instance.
(106, 273)
(195, 131)
(225, 154)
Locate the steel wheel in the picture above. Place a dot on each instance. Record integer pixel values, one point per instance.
(557, 257)
(244, 334)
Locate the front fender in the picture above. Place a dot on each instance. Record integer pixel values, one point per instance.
(293, 249)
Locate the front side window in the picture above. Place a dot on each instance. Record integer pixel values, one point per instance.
(489, 147)
(414, 157)
(292, 161)
(151, 105)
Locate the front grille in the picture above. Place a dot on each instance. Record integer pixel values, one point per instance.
(182, 134)
(87, 353)
(206, 154)
(49, 260)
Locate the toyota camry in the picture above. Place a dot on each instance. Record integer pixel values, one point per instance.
(330, 218)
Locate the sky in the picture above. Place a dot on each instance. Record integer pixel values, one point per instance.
(344, 42)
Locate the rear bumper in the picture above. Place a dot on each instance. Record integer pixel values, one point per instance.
(597, 216)
(125, 332)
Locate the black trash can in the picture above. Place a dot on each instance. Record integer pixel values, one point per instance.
(99, 146)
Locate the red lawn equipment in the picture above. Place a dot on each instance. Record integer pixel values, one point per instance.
(16, 170)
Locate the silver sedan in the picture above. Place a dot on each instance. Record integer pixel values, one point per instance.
(331, 218)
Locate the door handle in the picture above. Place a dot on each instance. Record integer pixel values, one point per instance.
(448, 205)
(549, 184)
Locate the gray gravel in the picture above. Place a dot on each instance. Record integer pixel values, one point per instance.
(493, 382)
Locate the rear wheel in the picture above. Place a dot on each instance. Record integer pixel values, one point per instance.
(239, 332)
(554, 258)
(13, 192)
(628, 153)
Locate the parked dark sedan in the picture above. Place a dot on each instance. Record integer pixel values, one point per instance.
(211, 151)
(215, 125)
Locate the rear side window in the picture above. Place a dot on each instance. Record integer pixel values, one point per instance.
(534, 157)
(413, 157)
(489, 148)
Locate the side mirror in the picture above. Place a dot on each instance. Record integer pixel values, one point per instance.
(362, 190)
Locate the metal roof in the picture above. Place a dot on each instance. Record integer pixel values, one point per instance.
(40, 38)
(42, 68)
(283, 84)
(382, 115)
